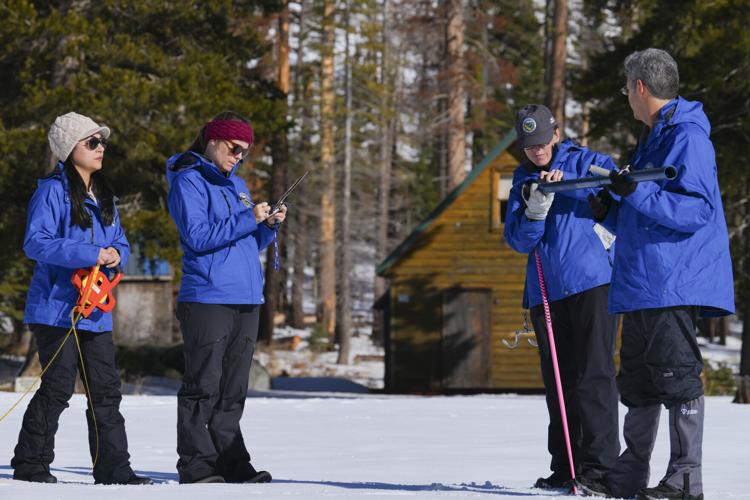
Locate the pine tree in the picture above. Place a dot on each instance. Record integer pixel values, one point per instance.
(139, 68)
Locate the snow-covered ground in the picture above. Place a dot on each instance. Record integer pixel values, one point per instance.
(363, 447)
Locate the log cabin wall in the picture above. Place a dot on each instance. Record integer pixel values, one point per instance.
(456, 290)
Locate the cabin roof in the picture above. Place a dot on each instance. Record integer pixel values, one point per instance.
(403, 248)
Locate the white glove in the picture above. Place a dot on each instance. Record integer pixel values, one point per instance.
(537, 203)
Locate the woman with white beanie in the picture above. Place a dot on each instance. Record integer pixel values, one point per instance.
(73, 223)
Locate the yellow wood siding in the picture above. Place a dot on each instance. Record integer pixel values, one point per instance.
(461, 248)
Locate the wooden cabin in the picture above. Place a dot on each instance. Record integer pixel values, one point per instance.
(456, 292)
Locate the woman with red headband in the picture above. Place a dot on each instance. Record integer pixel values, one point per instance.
(221, 233)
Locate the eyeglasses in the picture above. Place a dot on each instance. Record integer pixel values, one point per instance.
(625, 90)
(93, 142)
(236, 149)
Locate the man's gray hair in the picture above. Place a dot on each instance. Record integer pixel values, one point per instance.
(656, 69)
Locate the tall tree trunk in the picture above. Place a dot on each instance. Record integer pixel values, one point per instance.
(724, 329)
(275, 280)
(478, 111)
(591, 42)
(456, 93)
(555, 98)
(327, 249)
(743, 386)
(548, 9)
(303, 95)
(300, 260)
(345, 300)
(384, 173)
(441, 141)
(585, 123)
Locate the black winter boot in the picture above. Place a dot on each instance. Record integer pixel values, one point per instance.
(36, 477)
(664, 490)
(590, 487)
(258, 477)
(136, 480)
(555, 481)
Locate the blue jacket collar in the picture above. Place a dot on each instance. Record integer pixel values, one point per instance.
(675, 112)
(193, 160)
(58, 173)
(679, 110)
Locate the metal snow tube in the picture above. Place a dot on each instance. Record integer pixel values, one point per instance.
(649, 174)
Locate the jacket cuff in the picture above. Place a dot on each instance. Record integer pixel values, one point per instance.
(642, 191)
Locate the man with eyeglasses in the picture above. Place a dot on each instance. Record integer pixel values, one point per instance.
(576, 264)
(672, 265)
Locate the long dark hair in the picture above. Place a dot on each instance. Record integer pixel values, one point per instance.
(105, 196)
(199, 144)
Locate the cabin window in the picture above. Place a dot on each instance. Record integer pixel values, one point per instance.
(501, 185)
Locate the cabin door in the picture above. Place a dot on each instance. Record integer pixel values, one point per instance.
(465, 346)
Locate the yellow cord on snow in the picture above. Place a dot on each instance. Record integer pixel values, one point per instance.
(73, 320)
(31, 387)
(86, 387)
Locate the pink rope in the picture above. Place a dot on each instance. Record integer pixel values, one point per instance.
(556, 368)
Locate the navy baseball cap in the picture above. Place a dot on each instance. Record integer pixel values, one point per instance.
(535, 125)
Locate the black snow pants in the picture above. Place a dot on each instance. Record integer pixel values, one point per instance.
(36, 441)
(585, 343)
(660, 365)
(219, 342)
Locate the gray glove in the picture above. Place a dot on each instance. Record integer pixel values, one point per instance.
(537, 203)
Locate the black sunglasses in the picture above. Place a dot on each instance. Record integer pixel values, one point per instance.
(236, 149)
(93, 142)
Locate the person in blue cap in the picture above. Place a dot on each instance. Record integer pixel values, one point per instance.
(576, 261)
(672, 266)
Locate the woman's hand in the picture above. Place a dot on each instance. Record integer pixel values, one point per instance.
(108, 257)
(261, 212)
(278, 217)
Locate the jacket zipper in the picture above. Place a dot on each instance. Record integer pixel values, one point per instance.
(234, 244)
(226, 201)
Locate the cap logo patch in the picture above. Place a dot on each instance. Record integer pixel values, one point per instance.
(529, 125)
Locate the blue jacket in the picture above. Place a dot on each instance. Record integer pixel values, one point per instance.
(673, 245)
(59, 249)
(574, 259)
(219, 237)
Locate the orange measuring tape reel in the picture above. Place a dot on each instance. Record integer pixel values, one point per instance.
(94, 293)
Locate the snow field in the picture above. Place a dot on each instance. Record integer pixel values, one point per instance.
(370, 447)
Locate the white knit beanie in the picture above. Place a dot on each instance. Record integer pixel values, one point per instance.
(70, 128)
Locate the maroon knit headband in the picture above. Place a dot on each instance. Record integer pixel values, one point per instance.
(229, 130)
